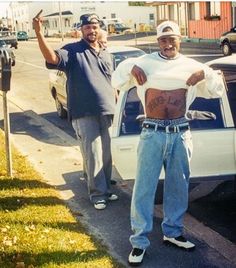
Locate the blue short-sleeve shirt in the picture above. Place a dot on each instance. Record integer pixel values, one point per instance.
(89, 90)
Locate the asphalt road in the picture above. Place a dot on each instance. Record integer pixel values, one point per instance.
(216, 210)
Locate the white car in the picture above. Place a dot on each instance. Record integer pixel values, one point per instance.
(57, 79)
(214, 140)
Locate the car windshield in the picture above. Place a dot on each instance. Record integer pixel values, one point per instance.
(120, 56)
(2, 43)
(121, 25)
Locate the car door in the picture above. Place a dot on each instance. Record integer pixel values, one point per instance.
(213, 139)
(60, 85)
(232, 38)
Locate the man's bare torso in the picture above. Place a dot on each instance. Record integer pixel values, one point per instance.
(165, 104)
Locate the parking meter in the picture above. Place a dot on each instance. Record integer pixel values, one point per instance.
(5, 70)
(5, 79)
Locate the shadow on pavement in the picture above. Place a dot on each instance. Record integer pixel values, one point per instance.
(29, 124)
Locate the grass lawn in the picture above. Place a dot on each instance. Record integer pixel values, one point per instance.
(37, 229)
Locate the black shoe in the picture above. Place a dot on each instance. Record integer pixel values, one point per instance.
(136, 256)
(113, 182)
(180, 242)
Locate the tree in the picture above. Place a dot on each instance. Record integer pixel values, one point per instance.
(136, 3)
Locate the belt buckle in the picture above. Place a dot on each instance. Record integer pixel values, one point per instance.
(167, 129)
(174, 129)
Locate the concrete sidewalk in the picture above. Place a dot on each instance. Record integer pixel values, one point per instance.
(57, 157)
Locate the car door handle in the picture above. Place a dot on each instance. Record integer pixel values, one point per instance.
(126, 148)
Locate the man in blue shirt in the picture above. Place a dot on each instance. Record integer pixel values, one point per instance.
(90, 101)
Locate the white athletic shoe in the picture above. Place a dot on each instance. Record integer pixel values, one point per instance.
(136, 256)
(100, 204)
(180, 242)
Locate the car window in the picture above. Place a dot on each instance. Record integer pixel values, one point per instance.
(133, 113)
(210, 105)
(133, 108)
(120, 56)
(229, 72)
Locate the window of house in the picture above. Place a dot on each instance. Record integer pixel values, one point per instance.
(212, 8)
(67, 22)
(215, 8)
(151, 16)
(113, 15)
(171, 12)
(191, 7)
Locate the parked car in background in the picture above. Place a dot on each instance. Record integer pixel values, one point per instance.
(213, 139)
(9, 37)
(22, 36)
(121, 28)
(9, 50)
(228, 42)
(57, 79)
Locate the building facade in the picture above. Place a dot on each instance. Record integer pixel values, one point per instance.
(60, 16)
(198, 20)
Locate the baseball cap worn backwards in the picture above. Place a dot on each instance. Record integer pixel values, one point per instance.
(89, 19)
(168, 28)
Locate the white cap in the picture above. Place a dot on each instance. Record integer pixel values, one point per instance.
(168, 28)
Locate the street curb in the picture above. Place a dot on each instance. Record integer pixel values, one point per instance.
(207, 235)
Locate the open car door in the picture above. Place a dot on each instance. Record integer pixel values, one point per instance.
(213, 140)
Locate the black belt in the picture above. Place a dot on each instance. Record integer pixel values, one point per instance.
(167, 129)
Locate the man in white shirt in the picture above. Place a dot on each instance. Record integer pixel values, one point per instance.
(167, 83)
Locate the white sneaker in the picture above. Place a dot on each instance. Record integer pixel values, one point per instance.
(100, 204)
(113, 197)
(136, 256)
(180, 242)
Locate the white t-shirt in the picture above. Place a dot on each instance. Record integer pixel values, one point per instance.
(169, 74)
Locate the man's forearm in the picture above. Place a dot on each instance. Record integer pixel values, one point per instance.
(48, 53)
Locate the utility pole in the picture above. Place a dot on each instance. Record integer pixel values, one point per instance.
(12, 17)
(60, 22)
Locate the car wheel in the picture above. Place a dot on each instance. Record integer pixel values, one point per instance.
(62, 113)
(226, 49)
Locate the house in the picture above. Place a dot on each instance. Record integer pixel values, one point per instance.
(208, 20)
(198, 20)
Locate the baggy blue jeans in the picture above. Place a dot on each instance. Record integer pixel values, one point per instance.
(93, 133)
(159, 149)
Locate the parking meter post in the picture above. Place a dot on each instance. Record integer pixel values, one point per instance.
(5, 79)
(7, 135)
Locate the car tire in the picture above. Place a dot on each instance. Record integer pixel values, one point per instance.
(62, 113)
(226, 49)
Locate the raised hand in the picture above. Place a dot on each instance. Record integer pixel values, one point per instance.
(37, 22)
(139, 75)
(195, 78)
